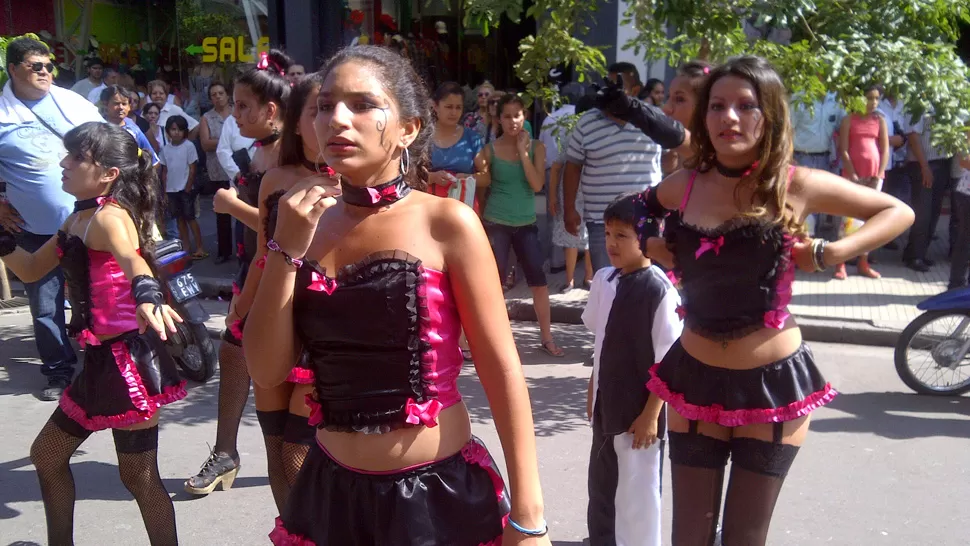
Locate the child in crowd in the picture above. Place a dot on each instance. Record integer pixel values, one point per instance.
(179, 159)
(629, 423)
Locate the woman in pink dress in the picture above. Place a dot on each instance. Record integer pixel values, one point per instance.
(864, 145)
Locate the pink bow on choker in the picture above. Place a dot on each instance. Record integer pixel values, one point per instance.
(321, 283)
(709, 244)
(425, 414)
(389, 192)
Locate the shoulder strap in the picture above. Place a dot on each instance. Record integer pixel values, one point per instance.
(47, 125)
(690, 186)
(791, 175)
(84, 237)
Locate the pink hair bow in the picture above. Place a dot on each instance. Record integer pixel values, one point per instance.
(87, 337)
(377, 195)
(265, 63)
(709, 244)
(425, 414)
(321, 283)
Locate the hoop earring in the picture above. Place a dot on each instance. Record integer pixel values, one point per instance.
(405, 162)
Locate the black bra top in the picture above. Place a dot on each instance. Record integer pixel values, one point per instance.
(249, 193)
(734, 279)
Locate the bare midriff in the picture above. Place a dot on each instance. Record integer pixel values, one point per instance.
(403, 447)
(757, 349)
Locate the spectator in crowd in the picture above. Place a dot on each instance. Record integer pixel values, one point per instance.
(554, 136)
(95, 68)
(34, 117)
(929, 176)
(110, 78)
(477, 119)
(864, 148)
(653, 92)
(896, 182)
(454, 146)
(115, 104)
(295, 73)
(513, 165)
(571, 244)
(960, 212)
(631, 79)
(158, 93)
(179, 161)
(814, 142)
(684, 90)
(150, 114)
(605, 157)
(210, 130)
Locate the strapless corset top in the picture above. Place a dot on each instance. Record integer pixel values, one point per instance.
(382, 338)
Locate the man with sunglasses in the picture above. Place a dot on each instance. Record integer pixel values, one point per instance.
(34, 116)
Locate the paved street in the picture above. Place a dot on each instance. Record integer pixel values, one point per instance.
(883, 466)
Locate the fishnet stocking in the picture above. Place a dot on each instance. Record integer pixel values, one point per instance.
(697, 504)
(293, 456)
(750, 501)
(276, 468)
(139, 473)
(51, 454)
(233, 395)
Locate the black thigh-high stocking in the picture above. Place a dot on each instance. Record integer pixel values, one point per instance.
(138, 466)
(233, 394)
(273, 424)
(697, 475)
(51, 455)
(758, 471)
(297, 439)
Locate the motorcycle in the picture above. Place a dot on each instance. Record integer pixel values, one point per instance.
(190, 345)
(933, 352)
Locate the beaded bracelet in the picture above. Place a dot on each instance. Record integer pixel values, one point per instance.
(541, 531)
(818, 254)
(275, 247)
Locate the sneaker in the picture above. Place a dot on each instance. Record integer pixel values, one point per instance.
(55, 388)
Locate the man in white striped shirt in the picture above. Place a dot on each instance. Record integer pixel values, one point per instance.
(607, 157)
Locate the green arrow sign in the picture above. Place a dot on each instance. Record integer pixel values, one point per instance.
(193, 50)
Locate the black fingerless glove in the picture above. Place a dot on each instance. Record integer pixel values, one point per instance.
(8, 243)
(147, 289)
(664, 130)
(648, 216)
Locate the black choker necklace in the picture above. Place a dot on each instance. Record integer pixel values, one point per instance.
(376, 196)
(739, 172)
(318, 168)
(266, 141)
(94, 202)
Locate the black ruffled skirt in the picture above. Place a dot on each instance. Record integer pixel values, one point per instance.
(123, 382)
(458, 501)
(781, 391)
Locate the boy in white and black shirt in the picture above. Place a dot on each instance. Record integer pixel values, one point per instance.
(632, 310)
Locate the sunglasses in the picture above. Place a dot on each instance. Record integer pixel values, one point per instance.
(484, 94)
(38, 66)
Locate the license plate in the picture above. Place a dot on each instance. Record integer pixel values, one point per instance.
(184, 287)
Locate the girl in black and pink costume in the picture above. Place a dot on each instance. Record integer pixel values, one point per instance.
(741, 382)
(105, 249)
(261, 110)
(376, 286)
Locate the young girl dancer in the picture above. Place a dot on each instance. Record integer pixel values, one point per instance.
(376, 287)
(734, 243)
(105, 249)
(260, 97)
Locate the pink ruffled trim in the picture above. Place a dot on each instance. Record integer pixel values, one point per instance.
(735, 418)
(425, 414)
(86, 337)
(101, 422)
(236, 329)
(476, 453)
(301, 376)
(281, 537)
(316, 410)
(778, 315)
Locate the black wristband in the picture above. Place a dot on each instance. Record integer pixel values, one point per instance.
(146, 289)
(8, 243)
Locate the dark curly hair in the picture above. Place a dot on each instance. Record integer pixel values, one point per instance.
(407, 90)
(291, 143)
(136, 188)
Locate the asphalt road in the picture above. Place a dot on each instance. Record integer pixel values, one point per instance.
(883, 466)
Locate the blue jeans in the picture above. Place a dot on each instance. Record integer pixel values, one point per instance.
(46, 298)
(597, 245)
(524, 240)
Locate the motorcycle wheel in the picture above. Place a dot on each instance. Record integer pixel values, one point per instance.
(198, 357)
(926, 353)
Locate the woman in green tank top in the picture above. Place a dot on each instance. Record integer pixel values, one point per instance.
(515, 167)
